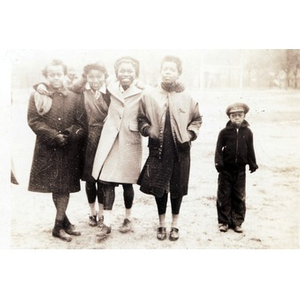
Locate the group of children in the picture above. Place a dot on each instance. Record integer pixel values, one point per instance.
(92, 131)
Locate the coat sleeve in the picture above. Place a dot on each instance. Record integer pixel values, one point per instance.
(219, 163)
(36, 122)
(196, 122)
(144, 123)
(251, 153)
(78, 130)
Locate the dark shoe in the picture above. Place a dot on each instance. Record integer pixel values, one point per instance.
(174, 235)
(61, 234)
(126, 226)
(223, 227)
(93, 221)
(69, 227)
(238, 229)
(104, 232)
(72, 231)
(161, 233)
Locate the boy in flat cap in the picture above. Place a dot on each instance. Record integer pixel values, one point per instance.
(234, 151)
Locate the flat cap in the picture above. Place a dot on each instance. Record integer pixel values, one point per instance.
(237, 107)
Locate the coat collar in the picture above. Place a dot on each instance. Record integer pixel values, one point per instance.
(53, 92)
(243, 125)
(102, 88)
(117, 91)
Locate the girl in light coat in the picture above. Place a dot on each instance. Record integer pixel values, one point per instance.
(119, 153)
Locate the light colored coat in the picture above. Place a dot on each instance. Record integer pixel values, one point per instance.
(119, 152)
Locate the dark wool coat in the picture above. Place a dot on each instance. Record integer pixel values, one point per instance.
(57, 169)
(96, 110)
(235, 148)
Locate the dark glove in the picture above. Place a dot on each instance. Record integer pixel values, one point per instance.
(61, 139)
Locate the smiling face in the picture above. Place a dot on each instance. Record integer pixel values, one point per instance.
(169, 73)
(126, 74)
(55, 76)
(237, 118)
(95, 78)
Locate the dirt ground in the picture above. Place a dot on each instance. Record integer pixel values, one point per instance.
(272, 218)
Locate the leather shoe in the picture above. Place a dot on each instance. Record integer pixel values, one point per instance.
(174, 235)
(104, 232)
(161, 233)
(72, 231)
(223, 227)
(238, 229)
(61, 234)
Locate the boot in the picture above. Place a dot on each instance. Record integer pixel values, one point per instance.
(58, 231)
(70, 228)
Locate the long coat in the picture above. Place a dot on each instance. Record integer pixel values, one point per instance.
(96, 109)
(57, 169)
(184, 124)
(119, 153)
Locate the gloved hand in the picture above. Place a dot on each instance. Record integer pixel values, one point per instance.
(61, 139)
(42, 89)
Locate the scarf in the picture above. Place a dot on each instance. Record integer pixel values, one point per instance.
(175, 87)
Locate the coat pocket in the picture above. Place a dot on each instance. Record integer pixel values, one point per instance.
(133, 126)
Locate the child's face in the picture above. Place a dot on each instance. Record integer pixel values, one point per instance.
(169, 73)
(126, 74)
(96, 79)
(55, 76)
(237, 118)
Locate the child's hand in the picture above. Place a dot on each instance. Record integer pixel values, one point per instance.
(42, 89)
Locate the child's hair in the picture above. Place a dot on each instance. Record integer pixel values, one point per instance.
(128, 59)
(95, 66)
(174, 59)
(55, 62)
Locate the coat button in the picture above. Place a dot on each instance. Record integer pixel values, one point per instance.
(59, 119)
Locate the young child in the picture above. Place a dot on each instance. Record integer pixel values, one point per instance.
(234, 150)
(170, 118)
(59, 122)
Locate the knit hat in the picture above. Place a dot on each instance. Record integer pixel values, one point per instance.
(237, 107)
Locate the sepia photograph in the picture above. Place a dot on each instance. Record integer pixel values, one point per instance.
(149, 150)
(152, 149)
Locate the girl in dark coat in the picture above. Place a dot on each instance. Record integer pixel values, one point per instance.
(171, 120)
(96, 98)
(59, 122)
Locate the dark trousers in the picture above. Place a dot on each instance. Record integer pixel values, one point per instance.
(231, 205)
